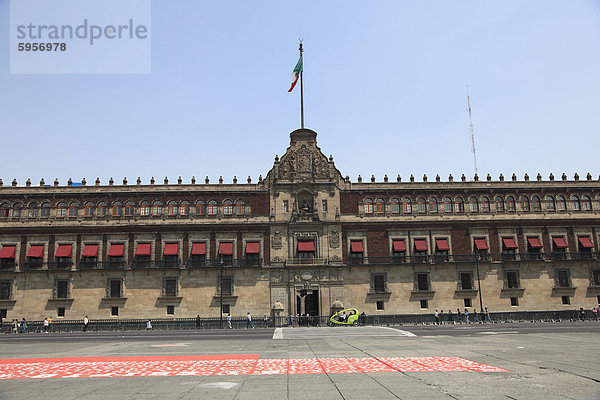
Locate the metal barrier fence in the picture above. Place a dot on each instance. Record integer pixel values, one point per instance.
(107, 325)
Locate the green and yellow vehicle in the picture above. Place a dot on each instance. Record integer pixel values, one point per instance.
(348, 316)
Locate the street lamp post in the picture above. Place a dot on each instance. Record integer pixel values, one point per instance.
(221, 292)
(478, 282)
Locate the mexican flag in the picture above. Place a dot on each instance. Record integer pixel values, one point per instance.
(296, 73)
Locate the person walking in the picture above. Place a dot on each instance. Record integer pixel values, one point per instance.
(291, 320)
(148, 325)
(436, 317)
(229, 321)
(595, 312)
(249, 322)
(581, 314)
(198, 321)
(266, 321)
(475, 317)
(15, 326)
(45, 325)
(486, 317)
(23, 325)
(50, 323)
(441, 317)
(458, 316)
(86, 321)
(466, 314)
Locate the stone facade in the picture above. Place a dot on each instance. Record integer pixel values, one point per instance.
(304, 239)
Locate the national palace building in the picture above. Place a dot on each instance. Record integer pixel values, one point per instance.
(303, 240)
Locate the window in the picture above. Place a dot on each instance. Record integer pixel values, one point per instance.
(499, 204)
(198, 256)
(395, 206)
(115, 255)
(142, 255)
(226, 253)
(473, 205)
(73, 210)
(586, 203)
(468, 303)
(3, 313)
(7, 256)
(61, 210)
(368, 206)
(399, 250)
(421, 205)
(356, 252)
(171, 255)
(379, 206)
(485, 204)
(4, 208)
(406, 206)
(559, 248)
(512, 280)
(170, 287)
(88, 209)
(16, 212)
(536, 203)
(60, 312)
(378, 283)
(200, 208)
(433, 205)
(510, 203)
(32, 211)
(481, 248)
(447, 205)
(184, 208)
(156, 208)
(286, 206)
(563, 279)
(45, 210)
(114, 311)
(61, 289)
(115, 288)
(514, 301)
(324, 203)
(379, 304)
(63, 255)
(561, 203)
(212, 208)
(459, 205)
(129, 207)
(226, 309)
(306, 249)
(170, 310)
(226, 286)
(5, 290)
(509, 249)
(465, 280)
(422, 282)
(424, 304)
(442, 250)
(534, 248)
(240, 208)
(566, 300)
(550, 203)
(227, 208)
(116, 209)
(89, 257)
(101, 209)
(595, 278)
(420, 250)
(252, 253)
(575, 204)
(35, 256)
(585, 247)
(524, 203)
(172, 208)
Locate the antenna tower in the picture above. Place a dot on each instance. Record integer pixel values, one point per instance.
(471, 129)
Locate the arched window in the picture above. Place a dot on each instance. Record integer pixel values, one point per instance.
(227, 207)
(156, 208)
(406, 206)
(536, 203)
(524, 203)
(172, 208)
(61, 210)
(212, 208)
(16, 210)
(379, 206)
(129, 208)
(550, 203)
(200, 208)
(32, 210)
(88, 209)
(46, 209)
(144, 208)
(73, 209)
(240, 208)
(395, 206)
(433, 205)
(101, 209)
(586, 203)
(4, 210)
(447, 205)
(510, 204)
(184, 208)
(485, 204)
(561, 203)
(459, 205)
(473, 205)
(368, 206)
(421, 205)
(117, 209)
(575, 204)
(499, 204)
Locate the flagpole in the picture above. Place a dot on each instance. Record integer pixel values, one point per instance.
(301, 90)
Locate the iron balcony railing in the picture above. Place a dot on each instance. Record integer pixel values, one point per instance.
(59, 265)
(8, 266)
(306, 261)
(217, 263)
(101, 265)
(143, 264)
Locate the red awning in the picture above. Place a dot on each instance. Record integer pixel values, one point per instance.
(143, 249)
(171, 249)
(399, 245)
(356, 246)
(116, 250)
(8, 251)
(583, 240)
(226, 249)
(36, 252)
(420, 245)
(442, 244)
(481, 244)
(307, 245)
(534, 243)
(90, 250)
(509, 243)
(198, 249)
(64, 250)
(559, 242)
(252, 247)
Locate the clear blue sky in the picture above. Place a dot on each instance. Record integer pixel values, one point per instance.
(385, 89)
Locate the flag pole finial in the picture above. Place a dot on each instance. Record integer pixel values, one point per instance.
(301, 84)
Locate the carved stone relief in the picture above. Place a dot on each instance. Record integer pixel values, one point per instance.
(276, 241)
(334, 239)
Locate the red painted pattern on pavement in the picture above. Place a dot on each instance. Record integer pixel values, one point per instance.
(240, 364)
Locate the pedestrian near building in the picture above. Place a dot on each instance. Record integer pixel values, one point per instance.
(266, 321)
(23, 325)
(486, 317)
(15, 326)
(441, 317)
(458, 316)
(229, 321)
(581, 314)
(45, 325)
(148, 325)
(249, 321)
(291, 320)
(198, 321)
(86, 322)
(595, 312)
(436, 317)
(450, 317)
(466, 314)
(476, 317)
(50, 323)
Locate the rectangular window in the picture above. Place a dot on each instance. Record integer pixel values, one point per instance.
(170, 310)
(115, 288)
(356, 252)
(380, 305)
(514, 301)
(170, 287)
(144, 210)
(114, 311)
(468, 302)
(566, 300)
(509, 249)
(198, 256)
(286, 206)
(3, 313)
(481, 249)
(252, 253)
(559, 248)
(156, 210)
(101, 210)
(466, 280)
(596, 278)
(226, 253)
(306, 250)
(442, 250)
(512, 280)
(399, 250)
(424, 304)
(563, 280)
(534, 248)
(128, 210)
(226, 309)
(379, 283)
(226, 286)
(324, 202)
(420, 250)
(423, 281)
(62, 289)
(60, 312)
(5, 290)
